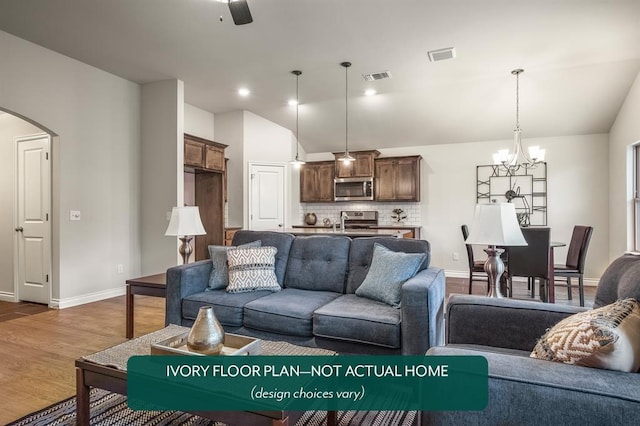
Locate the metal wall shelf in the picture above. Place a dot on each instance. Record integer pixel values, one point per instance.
(525, 187)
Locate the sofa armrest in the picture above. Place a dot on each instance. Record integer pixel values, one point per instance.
(422, 311)
(502, 323)
(528, 391)
(182, 281)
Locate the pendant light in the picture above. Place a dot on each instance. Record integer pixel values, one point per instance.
(297, 162)
(511, 162)
(346, 158)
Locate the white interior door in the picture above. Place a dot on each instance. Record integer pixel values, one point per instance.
(32, 213)
(266, 206)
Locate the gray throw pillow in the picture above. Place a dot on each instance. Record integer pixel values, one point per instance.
(388, 271)
(219, 277)
(252, 269)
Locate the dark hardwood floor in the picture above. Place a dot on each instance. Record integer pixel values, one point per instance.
(38, 350)
(9, 310)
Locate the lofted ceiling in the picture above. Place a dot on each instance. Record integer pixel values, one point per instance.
(580, 59)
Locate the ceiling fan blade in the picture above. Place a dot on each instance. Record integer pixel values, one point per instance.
(240, 12)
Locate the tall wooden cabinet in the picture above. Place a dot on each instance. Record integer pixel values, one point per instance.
(206, 160)
(397, 179)
(316, 182)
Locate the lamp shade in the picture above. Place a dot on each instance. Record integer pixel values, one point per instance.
(185, 221)
(496, 224)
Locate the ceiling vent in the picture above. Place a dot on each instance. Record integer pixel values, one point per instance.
(442, 54)
(377, 76)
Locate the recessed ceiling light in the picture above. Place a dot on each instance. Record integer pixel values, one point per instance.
(244, 92)
(292, 102)
(370, 92)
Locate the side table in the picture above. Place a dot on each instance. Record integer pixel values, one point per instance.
(151, 285)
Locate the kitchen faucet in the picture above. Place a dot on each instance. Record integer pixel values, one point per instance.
(343, 217)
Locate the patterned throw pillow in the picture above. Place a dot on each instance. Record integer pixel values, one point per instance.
(252, 269)
(607, 337)
(219, 277)
(388, 271)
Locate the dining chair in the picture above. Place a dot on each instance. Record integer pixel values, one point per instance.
(476, 267)
(574, 265)
(531, 261)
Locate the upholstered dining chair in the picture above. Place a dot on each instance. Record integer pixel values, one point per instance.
(576, 257)
(476, 267)
(531, 261)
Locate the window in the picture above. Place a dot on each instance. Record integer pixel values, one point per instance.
(636, 198)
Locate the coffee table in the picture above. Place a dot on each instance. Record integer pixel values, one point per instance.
(107, 370)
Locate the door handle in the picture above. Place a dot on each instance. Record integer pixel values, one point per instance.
(280, 225)
(19, 229)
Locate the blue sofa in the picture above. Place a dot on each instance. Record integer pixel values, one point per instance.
(529, 391)
(317, 306)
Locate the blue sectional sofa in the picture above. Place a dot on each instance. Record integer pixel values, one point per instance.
(317, 305)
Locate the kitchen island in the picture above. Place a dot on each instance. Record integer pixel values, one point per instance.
(352, 233)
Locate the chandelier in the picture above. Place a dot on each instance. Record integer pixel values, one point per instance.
(511, 162)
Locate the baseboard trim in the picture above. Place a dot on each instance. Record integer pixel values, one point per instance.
(6, 296)
(588, 282)
(87, 298)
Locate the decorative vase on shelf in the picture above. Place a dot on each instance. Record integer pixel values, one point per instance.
(206, 335)
(310, 218)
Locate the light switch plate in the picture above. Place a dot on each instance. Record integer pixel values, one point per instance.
(74, 214)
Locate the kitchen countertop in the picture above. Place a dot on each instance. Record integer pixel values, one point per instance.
(319, 230)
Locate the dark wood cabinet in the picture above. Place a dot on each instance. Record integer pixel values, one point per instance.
(397, 179)
(203, 154)
(316, 182)
(205, 159)
(362, 167)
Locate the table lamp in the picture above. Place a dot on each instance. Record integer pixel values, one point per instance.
(495, 224)
(185, 222)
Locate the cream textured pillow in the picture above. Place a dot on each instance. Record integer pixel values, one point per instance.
(252, 269)
(607, 337)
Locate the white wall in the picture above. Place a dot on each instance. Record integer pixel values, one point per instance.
(198, 122)
(577, 193)
(251, 138)
(624, 133)
(230, 131)
(161, 170)
(267, 142)
(10, 128)
(95, 162)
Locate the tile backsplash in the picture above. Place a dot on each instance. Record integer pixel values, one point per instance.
(332, 211)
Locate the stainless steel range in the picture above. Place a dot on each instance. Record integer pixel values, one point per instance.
(360, 219)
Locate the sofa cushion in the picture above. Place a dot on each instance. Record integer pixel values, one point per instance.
(287, 312)
(219, 277)
(607, 337)
(318, 263)
(228, 307)
(388, 271)
(362, 251)
(252, 269)
(357, 319)
(279, 240)
(621, 279)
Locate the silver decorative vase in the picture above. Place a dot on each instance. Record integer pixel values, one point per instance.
(206, 335)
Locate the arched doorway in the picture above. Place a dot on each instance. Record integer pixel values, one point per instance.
(25, 210)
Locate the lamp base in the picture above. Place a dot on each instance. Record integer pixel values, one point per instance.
(494, 267)
(185, 248)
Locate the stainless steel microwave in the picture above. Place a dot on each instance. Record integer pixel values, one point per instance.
(353, 189)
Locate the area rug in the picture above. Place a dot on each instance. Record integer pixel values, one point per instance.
(111, 409)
